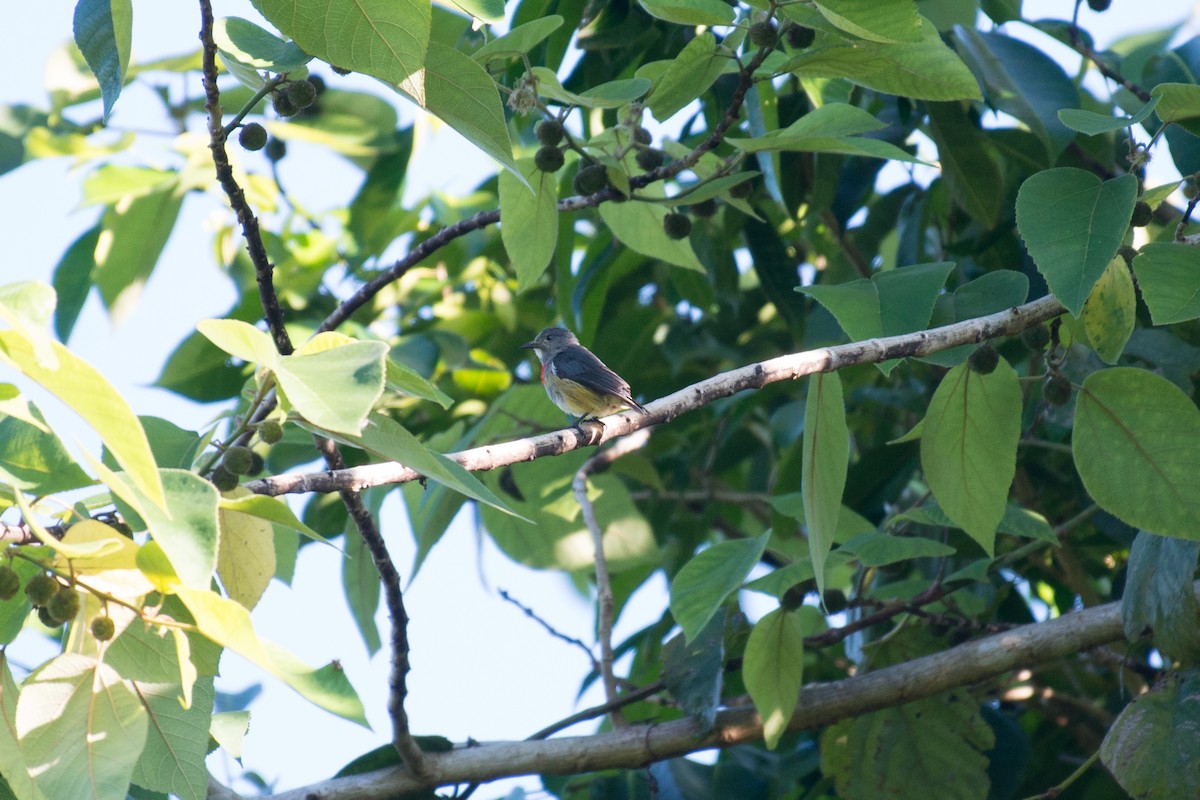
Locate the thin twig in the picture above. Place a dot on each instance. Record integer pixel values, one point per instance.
(1187, 218)
(1079, 46)
(883, 614)
(263, 269)
(402, 738)
(529, 612)
(604, 593)
(627, 699)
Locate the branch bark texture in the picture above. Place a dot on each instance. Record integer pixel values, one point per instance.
(698, 395)
(820, 705)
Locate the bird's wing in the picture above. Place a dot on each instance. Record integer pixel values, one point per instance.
(584, 368)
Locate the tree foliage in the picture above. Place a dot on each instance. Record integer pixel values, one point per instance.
(915, 327)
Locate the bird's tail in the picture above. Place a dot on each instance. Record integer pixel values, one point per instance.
(638, 407)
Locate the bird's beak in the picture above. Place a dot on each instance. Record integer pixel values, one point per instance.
(529, 346)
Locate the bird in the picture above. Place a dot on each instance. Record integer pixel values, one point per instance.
(576, 380)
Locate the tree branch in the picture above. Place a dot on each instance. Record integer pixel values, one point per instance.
(698, 395)
(819, 705)
(273, 312)
(484, 218)
(604, 593)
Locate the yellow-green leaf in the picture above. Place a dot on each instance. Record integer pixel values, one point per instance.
(1111, 311)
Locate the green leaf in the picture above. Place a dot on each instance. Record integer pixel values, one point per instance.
(881, 549)
(925, 70)
(689, 75)
(701, 586)
(86, 392)
(489, 11)
(1073, 224)
(13, 768)
(690, 12)
(971, 171)
(772, 669)
(459, 92)
(521, 39)
(826, 456)
(900, 752)
(1021, 80)
(1110, 311)
(228, 623)
(1090, 123)
(1151, 747)
(361, 585)
(229, 728)
(334, 389)
(529, 221)
(1178, 103)
(133, 237)
(109, 184)
(13, 613)
(173, 761)
(613, 94)
(1158, 597)
(890, 303)
(272, 509)
(832, 128)
(246, 43)
(386, 39)
(103, 30)
(240, 339)
(245, 554)
(1016, 521)
(81, 729)
(185, 527)
(987, 294)
(969, 447)
(402, 378)
(1168, 274)
(73, 281)
(1136, 445)
(692, 671)
(640, 226)
(389, 439)
(35, 461)
(877, 20)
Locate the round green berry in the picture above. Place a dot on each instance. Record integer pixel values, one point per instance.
(800, 36)
(549, 131)
(591, 179)
(793, 598)
(257, 464)
(705, 208)
(40, 588)
(1036, 338)
(103, 628)
(64, 605)
(1099, 5)
(985, 359)
(650, 158)
(1128, 253)
(223, 479)
(1057, 390)
(762, 34)
(270, 431)
(47, 619)
(252, 136)
(302, 94)
(742, 190)
(10, 582)
(835, 600)
(1142, 214)
(548, 158)
(283, 104)
(642, 136)
(238, 460)
(275, 150)
(676, 225)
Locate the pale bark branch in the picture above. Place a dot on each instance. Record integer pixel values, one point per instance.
(820, 705)
(698, 395)
(604, 593)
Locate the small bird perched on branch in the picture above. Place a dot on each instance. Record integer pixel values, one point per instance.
(576, 381)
